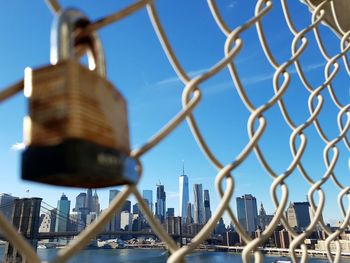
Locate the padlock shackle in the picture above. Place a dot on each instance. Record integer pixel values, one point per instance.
(64, 41)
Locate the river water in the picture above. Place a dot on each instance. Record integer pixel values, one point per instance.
(150, 255)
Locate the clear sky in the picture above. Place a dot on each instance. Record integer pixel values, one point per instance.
(136, 64)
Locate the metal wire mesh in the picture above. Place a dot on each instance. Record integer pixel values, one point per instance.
(257, 123)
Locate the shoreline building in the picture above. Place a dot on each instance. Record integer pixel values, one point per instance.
(183, 194)
(247, 212)
(198, 204)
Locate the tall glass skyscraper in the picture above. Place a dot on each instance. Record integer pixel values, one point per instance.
(88, 200)
(80, 202)
(184, 199)
(114, 224)
(62, 216)
(148, 195)
(207, 211)
(247, 212)
(198, 204)
(161, 203)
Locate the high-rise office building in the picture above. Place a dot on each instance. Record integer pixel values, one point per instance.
(88, 200)
(189, 218)
(91, 217)
(80, 202)
(95, 203)
(198, 204)
(220, 227)
(298, 215)
(183, 191)
(77, 221)
(135, 209)
(112, 194)
(161, 203)
(170, 212)
(207, 211)
(247, 212)
(126, 206)
(263, 218)
(114, 224)
(6, 205)
(148, 195)
(126, 220)
(62, 216)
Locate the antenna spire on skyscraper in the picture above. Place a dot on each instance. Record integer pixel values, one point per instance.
(183, 167)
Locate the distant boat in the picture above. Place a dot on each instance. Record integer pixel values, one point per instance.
(42, 247)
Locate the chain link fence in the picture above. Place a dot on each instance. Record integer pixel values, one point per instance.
(321, 12)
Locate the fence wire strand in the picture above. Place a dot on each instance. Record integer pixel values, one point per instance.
(256, 126)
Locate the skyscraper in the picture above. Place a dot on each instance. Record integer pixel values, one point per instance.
(189, 218)
(183, 190)
(125, 220)
(114, 224)
(298, 215)
(80, 202)
(207, 211)
(170, 212)
(95, 203)
(88, 200)
(148, 195)
(263, 218)
(136, 209)
(198, 204)
(161, 203)
(126, 206)
(247, 212)
(62, 216)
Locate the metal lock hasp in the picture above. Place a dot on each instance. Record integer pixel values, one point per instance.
(77, 129)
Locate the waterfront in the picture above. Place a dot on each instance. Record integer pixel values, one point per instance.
(150, 255)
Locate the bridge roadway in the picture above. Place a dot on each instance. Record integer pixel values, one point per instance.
(49, 235)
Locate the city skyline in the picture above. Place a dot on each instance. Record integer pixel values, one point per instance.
(153, 94)
(298, 214)
(127, 206)
(254, 95)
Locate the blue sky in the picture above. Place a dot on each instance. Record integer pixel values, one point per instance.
(136, 64)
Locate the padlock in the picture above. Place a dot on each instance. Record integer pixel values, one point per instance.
(76, 132)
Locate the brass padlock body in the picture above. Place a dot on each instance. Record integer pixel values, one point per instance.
(77, 129)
